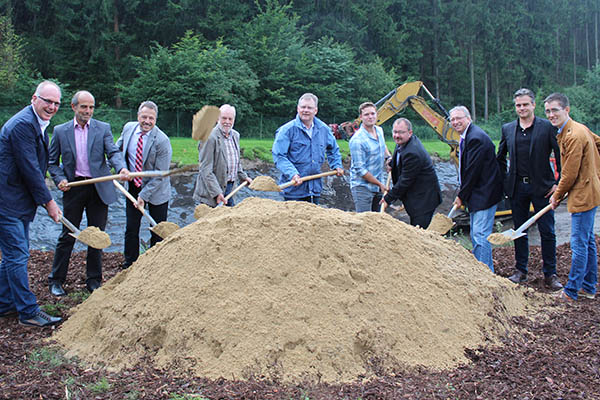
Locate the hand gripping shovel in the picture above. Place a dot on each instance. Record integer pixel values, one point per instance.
(163, 229)
(91, 236)
(142, 174)
(234, 191)
(267, 184)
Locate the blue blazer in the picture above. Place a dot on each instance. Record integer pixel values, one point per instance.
(100, 145)
(481, 182)
(23, 165)
(543, 142)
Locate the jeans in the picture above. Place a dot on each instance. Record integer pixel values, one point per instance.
(482, 224)
(228, 189)
(584, 262)
(520, 213)
(366, 200)
(14, 280)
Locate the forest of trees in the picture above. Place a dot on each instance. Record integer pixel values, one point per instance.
(261, 55)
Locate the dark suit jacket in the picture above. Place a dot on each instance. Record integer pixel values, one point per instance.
(481, 182)
(23, 165)
(100, 145)
(415, 180)
(543, 141)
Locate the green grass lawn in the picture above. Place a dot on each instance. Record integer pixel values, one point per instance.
(185, 150)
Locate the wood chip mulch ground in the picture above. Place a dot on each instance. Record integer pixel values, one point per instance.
(555, 357)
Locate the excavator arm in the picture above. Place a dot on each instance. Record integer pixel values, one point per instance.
(404, 96)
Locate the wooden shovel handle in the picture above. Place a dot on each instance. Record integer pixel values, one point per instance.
(387, 185)
(308, 178)
(130, 197)
(234, 191)
(141, 174)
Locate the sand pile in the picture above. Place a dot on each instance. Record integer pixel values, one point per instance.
(94, 237)
(290, 290)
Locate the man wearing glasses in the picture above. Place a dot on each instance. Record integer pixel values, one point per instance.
(529, 141)
(480, 181)
(23, 165)
(580, 179)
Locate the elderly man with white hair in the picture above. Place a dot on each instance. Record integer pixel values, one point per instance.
(220, 162)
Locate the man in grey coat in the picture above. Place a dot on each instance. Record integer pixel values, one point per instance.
(220, 162)
(83, 144)
(145, 147)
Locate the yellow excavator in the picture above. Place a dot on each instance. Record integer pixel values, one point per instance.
(404, 96)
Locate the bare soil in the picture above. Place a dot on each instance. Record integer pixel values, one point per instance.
(553, 357)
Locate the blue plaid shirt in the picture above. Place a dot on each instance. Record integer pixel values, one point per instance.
(368, 155)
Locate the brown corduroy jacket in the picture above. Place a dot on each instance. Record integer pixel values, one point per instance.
(580, 159)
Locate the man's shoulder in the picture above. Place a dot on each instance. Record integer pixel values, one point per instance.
(288, 126)
(129, 126)
(97, 124)
(25, 115)
(510, 125)
(160, 134)
(60, 128)
(477, 132)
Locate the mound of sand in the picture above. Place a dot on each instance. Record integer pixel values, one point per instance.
(290, 291)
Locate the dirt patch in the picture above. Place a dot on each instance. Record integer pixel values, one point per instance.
(498, 239)
(201, 210)
(535, 362)
(292, 291)
(94, 237)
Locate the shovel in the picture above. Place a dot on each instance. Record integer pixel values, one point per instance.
(512, 234)
(89, 236)
(387, 185)
(441, 223)
(142, 174)
(234, 191)
(163, 229)
(268, 184)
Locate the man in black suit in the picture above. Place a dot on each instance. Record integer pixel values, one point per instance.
(529, 141)
(480, 181)
(415, 180)
(78, 151)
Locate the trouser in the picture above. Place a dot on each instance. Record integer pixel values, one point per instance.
(584, 260)
(310, 199)
(366, 200)
(228, 189)
(519, 204)
(132, 229)
(422, 220)
(14, 280)
(482, 224)
(75, 201)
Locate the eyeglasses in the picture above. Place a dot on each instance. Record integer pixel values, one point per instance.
(549, 111)
(49, 102)
(457, 118)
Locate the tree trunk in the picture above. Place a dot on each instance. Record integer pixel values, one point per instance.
(557, 56)
(587, 47)
(574, 59)
(472, 68)
(485, 91)
(497, 89)
(118, 100)
(596, 34)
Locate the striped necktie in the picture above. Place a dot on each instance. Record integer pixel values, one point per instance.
(139, 159)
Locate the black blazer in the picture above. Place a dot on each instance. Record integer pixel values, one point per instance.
(543, 141)
(415, 180)
(481, 182)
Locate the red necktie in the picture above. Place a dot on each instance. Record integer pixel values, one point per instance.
(139, 159)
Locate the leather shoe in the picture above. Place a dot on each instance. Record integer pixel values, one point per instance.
(518, 277)
(9, 313)
(552, 282)
(57, 290)
(93, 285)
(40, 320)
